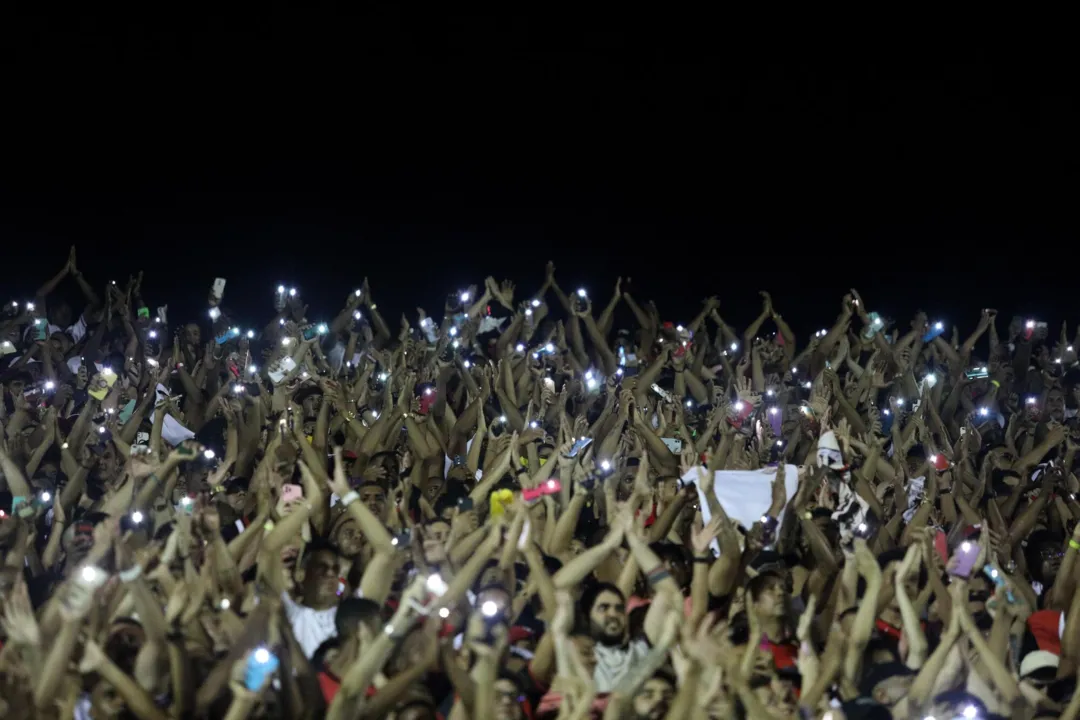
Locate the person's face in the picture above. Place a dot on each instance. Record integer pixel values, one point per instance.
(192, 334)
(1051, 556)
(652, 701)
(321, 579)
(374, 499)
(889, 691)
(348, 539)
(1055, 405)
(508, 701)
(435, 536)
(433, 490)
(667, 489)
(61, 315)
(607, 619)
(772, 602)
(16, 387)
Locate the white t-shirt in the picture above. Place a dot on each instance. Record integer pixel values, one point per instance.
(76, 331)
(310, 627)
(612, 663)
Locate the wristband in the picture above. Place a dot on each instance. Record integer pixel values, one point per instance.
(127, 576)
(995, 383)
(706, 559)
(350, 497)
(144, 312)
(1073, 544)
(657, 575)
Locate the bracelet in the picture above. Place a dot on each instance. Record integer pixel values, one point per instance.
(1073, 544)
(995, 383)
(706, 559)
(350, 497)
(656, 575)
(127, 576)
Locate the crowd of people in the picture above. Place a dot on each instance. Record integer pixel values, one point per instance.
(519, 510)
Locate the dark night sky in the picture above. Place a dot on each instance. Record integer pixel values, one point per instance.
(322, 145)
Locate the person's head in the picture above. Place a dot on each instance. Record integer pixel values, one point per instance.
(509, 698)
(436, 533)
(887, 683)
(653, 698)
(605, 608)
(319, 576)
(768, 592)
(235, 495)
(192, 334)
(59, 313)
(374, 498)
(353, 613)
(1055, 405)
(346, 535)
(1039, 667)
(1044, 554)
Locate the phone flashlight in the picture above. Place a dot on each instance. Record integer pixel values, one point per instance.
(489, 609)
(808, 385)
(357, 292)
(436, 585)
(251, 334)
(862, 528)
(899, 402)
(605, 465)
(519, 348)
(939, 325)
(238, 389)
(225, 603)
(356, 315)
(581, 293)
(383, 377)
(453, 332)
(467, 364)
(1030, 324)
(101, 429)
(90, 574)
(30, 307)
(444, 613)
(185, 501)
(984, 411)
(502, 418)
(136, 517)
(214, 313)
(46, 497)
(322, 329)
(464, 297)
(49, 384)
(734, 346)
(286, 341)
(292, 292)
(1030, 400)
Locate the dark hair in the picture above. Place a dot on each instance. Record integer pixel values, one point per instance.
(319, 544)
(318, 660)
(757, 585)
(592, 592)
(353, 612)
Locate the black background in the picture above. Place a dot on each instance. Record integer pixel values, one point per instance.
(315, 146)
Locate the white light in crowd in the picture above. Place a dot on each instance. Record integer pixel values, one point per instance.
(734, 346)
(502, 418)
(30, 307)
(805, 409)
(136, 517)
(970, 712)
(109, 411)
(455, 344)
(932, 459)
(225, 603)
(101, 429)
(281, 289)
(45, 496)
(286, 341)
(1029, 324)
(15, 304)
(588, 375)
(393, 541)
(356, 315)
(444, 613)
(939, 325)
(519, 347)
(357, 292)
(262, 656)
(534, 424)
(427, 391)
(106, 370)
(862, 527)
(252, 369)
(464, 297)
(780, 443)
(1057, 361)
(581, 292)
(208, 454)
(993, 572)
(251, 334)
(773, 411)
(619, 371)
(467, 364)
(436, 584)
(49, 384)
(984, 412)
(489, 608)
(549, 348)
(689, 403)
(214, 313)
(383, 377)
(878, 322)
(535, 303)
(605, 465)
(64, 446)
(322, 329)
(738, 404)
(770, 392)
(678, 328)
(528, 312)
(292, 292)
(794, 371)
(1030, 401)
(931, 378)
(153, 334)
(453, 331)
(899, 402)
(808, 384)
(89, 573)
(238, 388)
(304, 375)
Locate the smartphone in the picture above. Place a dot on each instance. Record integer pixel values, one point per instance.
(465, 504)
(310, 332)
(260, 663)
(403, 539)
(291, 492)
(965, 556)
(218, 288)
(999, 581)
(6, 348)
(579, 445)
(976, 373)
(41, 329)
(936, 330)
(673, 444)
(427, 400)
(549, 487)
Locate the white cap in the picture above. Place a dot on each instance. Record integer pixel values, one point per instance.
(1038, 660)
